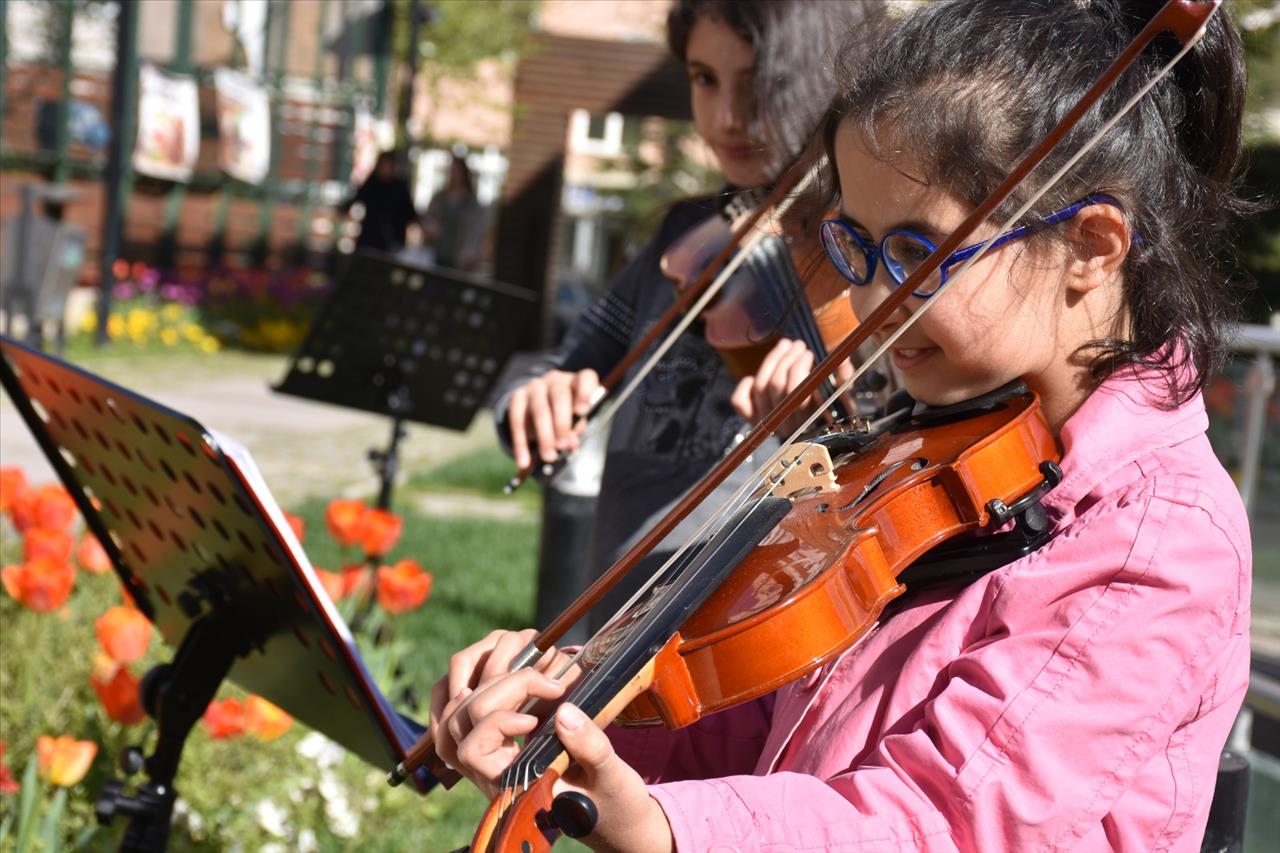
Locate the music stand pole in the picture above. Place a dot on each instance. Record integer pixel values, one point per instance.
(386, 462)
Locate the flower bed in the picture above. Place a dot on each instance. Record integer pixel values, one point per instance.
(254, 310)
(76, 650)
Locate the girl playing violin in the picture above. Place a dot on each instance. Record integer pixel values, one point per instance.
(1077, 698)
(760, 77)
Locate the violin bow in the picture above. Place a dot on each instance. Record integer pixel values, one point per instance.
(1185, 19)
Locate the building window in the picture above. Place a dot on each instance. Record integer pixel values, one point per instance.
(596, 133)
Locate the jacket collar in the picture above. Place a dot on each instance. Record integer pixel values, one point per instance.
(1119, 423)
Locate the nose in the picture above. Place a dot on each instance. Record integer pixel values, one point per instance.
(734, 110)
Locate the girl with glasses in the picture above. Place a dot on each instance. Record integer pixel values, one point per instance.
(1079, 697)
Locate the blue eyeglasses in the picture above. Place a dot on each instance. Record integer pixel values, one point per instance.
(903, 250)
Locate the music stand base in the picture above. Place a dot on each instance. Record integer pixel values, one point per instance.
(175, 695)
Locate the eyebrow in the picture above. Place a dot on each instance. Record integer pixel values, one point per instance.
(934, 234)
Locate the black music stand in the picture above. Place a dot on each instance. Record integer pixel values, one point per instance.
(409, 342)
(206, 553)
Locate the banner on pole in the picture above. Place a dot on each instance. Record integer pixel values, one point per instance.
(168, 140)
(244, 126)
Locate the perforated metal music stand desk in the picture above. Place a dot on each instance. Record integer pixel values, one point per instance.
(206, 553)
(409, 342)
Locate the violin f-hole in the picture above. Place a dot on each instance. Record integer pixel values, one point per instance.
(917, 464)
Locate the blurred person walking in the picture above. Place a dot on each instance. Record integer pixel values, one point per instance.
(388, 204)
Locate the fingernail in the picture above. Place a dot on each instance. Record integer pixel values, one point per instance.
(463, 693)
(571, 717)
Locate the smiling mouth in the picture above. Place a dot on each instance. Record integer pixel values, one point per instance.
(908, 357)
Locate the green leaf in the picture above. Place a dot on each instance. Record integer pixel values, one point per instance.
(50, 829)
(27, 804)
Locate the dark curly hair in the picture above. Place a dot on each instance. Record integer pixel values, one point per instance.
(968, 86)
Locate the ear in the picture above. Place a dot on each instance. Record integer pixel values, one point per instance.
(1100, 240)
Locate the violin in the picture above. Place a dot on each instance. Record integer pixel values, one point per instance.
(783, 288)
(796, 577)
(838, 533)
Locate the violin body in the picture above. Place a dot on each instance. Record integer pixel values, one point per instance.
(820, 580)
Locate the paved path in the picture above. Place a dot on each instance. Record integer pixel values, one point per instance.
(303, 448)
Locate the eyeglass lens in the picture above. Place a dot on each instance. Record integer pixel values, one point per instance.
(900, 252)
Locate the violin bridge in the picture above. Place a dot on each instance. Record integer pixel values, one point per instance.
(806, 468)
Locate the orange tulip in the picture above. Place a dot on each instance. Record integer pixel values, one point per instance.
(224, 718)
(265, 720)
(91, 556)
(48, 506)
(64, 760)
(379, 531)
(343, 518)
(40, 585)
(118, 691)
(333, 584)
(8, 785)
(124, 633)
(295, 521)
(55, 545)
(403, 587)
(13, 482)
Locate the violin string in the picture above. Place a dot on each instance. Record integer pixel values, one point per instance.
(540, 745)
(739, 499)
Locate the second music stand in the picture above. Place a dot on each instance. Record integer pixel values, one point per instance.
(410, 342)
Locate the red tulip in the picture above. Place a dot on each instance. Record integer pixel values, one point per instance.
(299, 526)
(13, 482)
(379, 531)
(91, 556)
(265, 720)
(8, 785)
(55, 545)
(124, 633)
(403, 587)
(356, 580)
(118, 691)
(224, 718)
(64, 760)
(48, 506)
(40, 585)
(343, 518)
(333, 584)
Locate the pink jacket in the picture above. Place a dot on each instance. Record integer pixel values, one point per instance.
(1077, 699)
